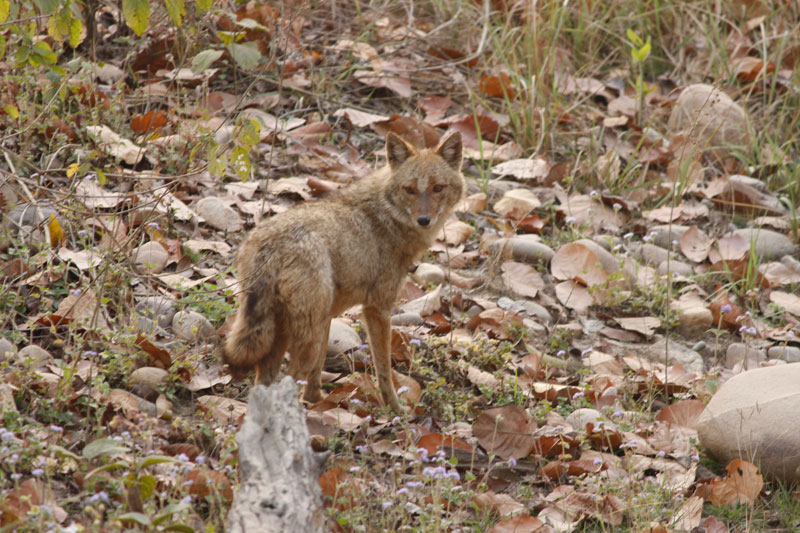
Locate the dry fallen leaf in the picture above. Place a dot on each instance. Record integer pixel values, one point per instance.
(505, 431)
(742, 485)
(695, 245)
(502, 504)
(522, 279)
(575, 261)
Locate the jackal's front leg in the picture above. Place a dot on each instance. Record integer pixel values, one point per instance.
(379, 330)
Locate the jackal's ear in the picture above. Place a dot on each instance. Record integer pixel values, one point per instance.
(450, 150)
(397, 150)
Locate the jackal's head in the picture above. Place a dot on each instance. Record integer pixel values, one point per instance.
(425, 185)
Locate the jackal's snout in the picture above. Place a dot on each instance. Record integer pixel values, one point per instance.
(423, 220)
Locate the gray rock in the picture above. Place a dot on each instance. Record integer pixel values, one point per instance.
(526, 249)
(790, 354)
(607, 241)
(27, 222)
(145, 325)
(147, 381)
(753, 416)
(218, 214)
(507, 304)
(652, 254)
(675, 267)
(672, 352)
(534, 327)
(38, 356)
(429, 273)
(746, 355)
(7, 350)
(694, 321)
(192, 326)
(769, 245)
(158, 308)
(149, 376)
(31, 215)
(664, 234)
(150, 257)
(538, 311)
(791, 263)
(710, 118)
(342, 338)
(407, 319)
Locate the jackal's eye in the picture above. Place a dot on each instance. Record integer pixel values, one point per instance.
(409, 190)
(438, 188)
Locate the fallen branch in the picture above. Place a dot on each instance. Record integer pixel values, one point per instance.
(279, 489)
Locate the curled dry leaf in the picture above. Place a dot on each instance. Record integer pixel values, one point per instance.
(433, 442)
(343, 419)
(689, 515)
(583, 208)
(481, 378)
(574, 295)
(742, 485)
(517, 203)
(519, 524)
(790, 302)
(575, 261)
(502, 504)
(536, 169)
(695, 245)
(497, 86)
(730, 248)
(224, 410)
(495, 322)
(646, 325)
(359, 119)
(435, 107)
(207, 482)
(457, 232)
(684, 413)
(113, 144)
(505, 431)
(522, 279)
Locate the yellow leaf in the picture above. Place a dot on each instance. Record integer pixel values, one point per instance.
(11, 111)
(56, 233)
(72, 169)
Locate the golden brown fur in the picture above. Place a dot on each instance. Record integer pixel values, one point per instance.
(301, 268)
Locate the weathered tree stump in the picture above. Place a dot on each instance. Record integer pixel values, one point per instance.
(279, 473)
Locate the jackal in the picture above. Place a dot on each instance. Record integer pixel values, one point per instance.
(302, 267)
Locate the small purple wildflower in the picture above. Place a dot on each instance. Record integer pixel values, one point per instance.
(597, 461)
(725, 308)
(402, 389)
(416, 342)
(37, 472)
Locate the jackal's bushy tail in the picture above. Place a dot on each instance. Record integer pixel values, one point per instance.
(251, 337)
